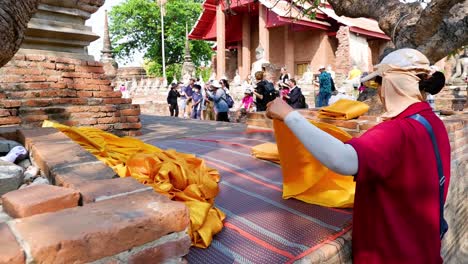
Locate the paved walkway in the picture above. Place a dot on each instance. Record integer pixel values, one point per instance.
(163, 127)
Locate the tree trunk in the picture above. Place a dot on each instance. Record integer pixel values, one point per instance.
(14, 18)
(437, 30)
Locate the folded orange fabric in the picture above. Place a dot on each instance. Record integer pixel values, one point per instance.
(266, 151)
(304, 177)
(344, 109)
(181, 177)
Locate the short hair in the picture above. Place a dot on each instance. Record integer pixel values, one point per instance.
(259, 75)
(293, 81)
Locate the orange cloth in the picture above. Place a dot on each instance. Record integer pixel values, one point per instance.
(344, 109)
(181, 177)
(304, 177)
(266, 151)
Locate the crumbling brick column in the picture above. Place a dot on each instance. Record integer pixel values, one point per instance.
(343, 58)
(75, 92)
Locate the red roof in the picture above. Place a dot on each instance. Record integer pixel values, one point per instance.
(280, 13)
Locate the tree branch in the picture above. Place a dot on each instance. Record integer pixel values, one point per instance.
(451, 34)
(435, 31)
(14, 18)
(430, 16)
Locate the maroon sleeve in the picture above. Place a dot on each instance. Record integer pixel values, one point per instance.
(378, 151)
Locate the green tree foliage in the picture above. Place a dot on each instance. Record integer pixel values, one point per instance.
(135, 25)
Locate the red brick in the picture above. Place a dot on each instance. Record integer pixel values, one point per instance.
(108, 120)
(133, 133)
(11, 78)
(10, 250)
(10, 133)
(164, 252)
(33, 118)
(97, 230)
(58, 85)
(116, 94)
(115, 101)
(35, 57)
(127, 126)
(33, 79)
(53, 78)
(82, 173)
(84, 94)
(367, 125)
(50, 155)
(104, 127)
(97, 81)
(2, 95)
(84, 87)
(30, 137)
(12, 120)
(37, 102)
(39, 199)
(76, 75)
(95, 63)
(19, 57)
(65, 67)
(130, 112)
(131, 119)
(108, 108)
(33, 86)
(4, 113)
(87, 121)
(67, 60)
(22, 71)
(47, 65)
(89, 69)
(93, 191)
(10, 103)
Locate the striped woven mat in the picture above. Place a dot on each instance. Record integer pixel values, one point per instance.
(260, 226)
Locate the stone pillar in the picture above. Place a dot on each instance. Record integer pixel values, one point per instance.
(246, 43)
(289, 50)
(220, 42)
(58, 29)
(107, 57)
(264, 33)
(239, 59)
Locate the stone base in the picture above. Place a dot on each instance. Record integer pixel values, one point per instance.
(34, 88)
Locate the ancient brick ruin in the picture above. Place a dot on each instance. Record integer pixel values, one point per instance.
(53, 78)
(70, 91)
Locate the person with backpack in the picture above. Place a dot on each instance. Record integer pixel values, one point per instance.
(401, 166)
(219, 97)
(264, 92)
(295, 98)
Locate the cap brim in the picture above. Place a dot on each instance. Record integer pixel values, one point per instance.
(370, 76)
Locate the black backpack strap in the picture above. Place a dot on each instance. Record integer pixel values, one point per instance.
(440, 171)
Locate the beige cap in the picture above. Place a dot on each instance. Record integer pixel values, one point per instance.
(406, 59)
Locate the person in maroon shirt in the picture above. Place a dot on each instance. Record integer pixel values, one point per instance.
(397, 217)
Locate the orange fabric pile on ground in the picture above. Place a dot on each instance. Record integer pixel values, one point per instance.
(181, 177)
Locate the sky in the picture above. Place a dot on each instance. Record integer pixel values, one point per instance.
(97, 23)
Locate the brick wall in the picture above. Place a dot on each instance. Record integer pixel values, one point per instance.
(456, 208)
(90, 216)
(74, 92)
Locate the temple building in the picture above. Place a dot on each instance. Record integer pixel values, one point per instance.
(274, 32)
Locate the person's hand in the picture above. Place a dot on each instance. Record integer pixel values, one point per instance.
(278, 109)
